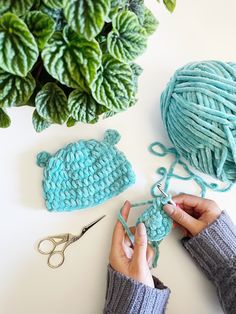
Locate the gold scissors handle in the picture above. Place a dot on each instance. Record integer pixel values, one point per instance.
(56, 257)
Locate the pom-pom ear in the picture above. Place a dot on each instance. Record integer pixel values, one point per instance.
(42, 159)
(112, 137)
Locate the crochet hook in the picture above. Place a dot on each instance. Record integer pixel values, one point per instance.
(165, 194)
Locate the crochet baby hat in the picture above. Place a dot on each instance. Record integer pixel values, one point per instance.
(85, 173)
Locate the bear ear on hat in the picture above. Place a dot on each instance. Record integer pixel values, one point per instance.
(111, 136)
(43, 158)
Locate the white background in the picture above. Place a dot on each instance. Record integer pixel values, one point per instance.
(197, 30)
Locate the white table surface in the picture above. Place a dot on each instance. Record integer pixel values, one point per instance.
(198, 30)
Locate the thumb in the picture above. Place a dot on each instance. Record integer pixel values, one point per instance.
(183, 218)
(140, 245)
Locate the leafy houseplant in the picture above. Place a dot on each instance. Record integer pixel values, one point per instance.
(71, 60)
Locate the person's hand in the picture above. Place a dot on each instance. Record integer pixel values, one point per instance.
(128, 260)
(193, 213)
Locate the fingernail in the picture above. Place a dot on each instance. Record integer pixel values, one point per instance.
(169, 209)
(141, 230)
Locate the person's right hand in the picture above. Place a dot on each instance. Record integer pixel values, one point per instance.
(193, 213)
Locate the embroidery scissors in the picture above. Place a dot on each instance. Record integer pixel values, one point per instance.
(63, 240)
(165, 194)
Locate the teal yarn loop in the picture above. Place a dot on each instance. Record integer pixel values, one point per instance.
(160, 150)
(198, 110)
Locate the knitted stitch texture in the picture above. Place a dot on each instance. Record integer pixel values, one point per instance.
(128, 296)
(85, 173)
(214, 249)
(199, 113)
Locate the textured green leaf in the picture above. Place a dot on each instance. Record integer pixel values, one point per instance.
(31, 100)
(18, 7)
(170, 4)
(128, 39)
(38, 122)
(36, 5)
(136, 71)
(51, 104)
(70, 122)
(113, 86)
(116, 5)
(56, 14)
(150, 23)
(4, 6)
(83, 107)
(71, 59)
(102, 40)
(15, 90)
(18, 48)
(109, 114)
(41, 26)
(54, 4)
(5, 120)
(86, 17)
(137, 6)
(101, 110)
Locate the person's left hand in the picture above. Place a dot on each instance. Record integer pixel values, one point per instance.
(131, 261)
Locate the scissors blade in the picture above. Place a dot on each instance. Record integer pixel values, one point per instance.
(87, 227)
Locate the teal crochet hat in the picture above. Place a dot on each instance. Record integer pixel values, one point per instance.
(85, 174)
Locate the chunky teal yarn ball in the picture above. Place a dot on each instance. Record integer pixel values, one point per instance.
(199, 113)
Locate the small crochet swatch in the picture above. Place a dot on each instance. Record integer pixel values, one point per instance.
(158, 224)
(85, 173)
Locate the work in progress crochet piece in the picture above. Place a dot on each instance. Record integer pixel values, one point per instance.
(158, 224)
(85, 173)
(199, 113)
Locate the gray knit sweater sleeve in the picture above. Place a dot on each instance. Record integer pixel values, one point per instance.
(125, 295)
(214, 249)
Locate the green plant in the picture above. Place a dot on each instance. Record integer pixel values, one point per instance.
(72, 60)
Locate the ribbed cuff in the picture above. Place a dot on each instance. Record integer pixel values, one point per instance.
(214, 249)
(215, 246)
(125, 295)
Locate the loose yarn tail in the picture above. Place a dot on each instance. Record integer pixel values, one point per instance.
(167, 175)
